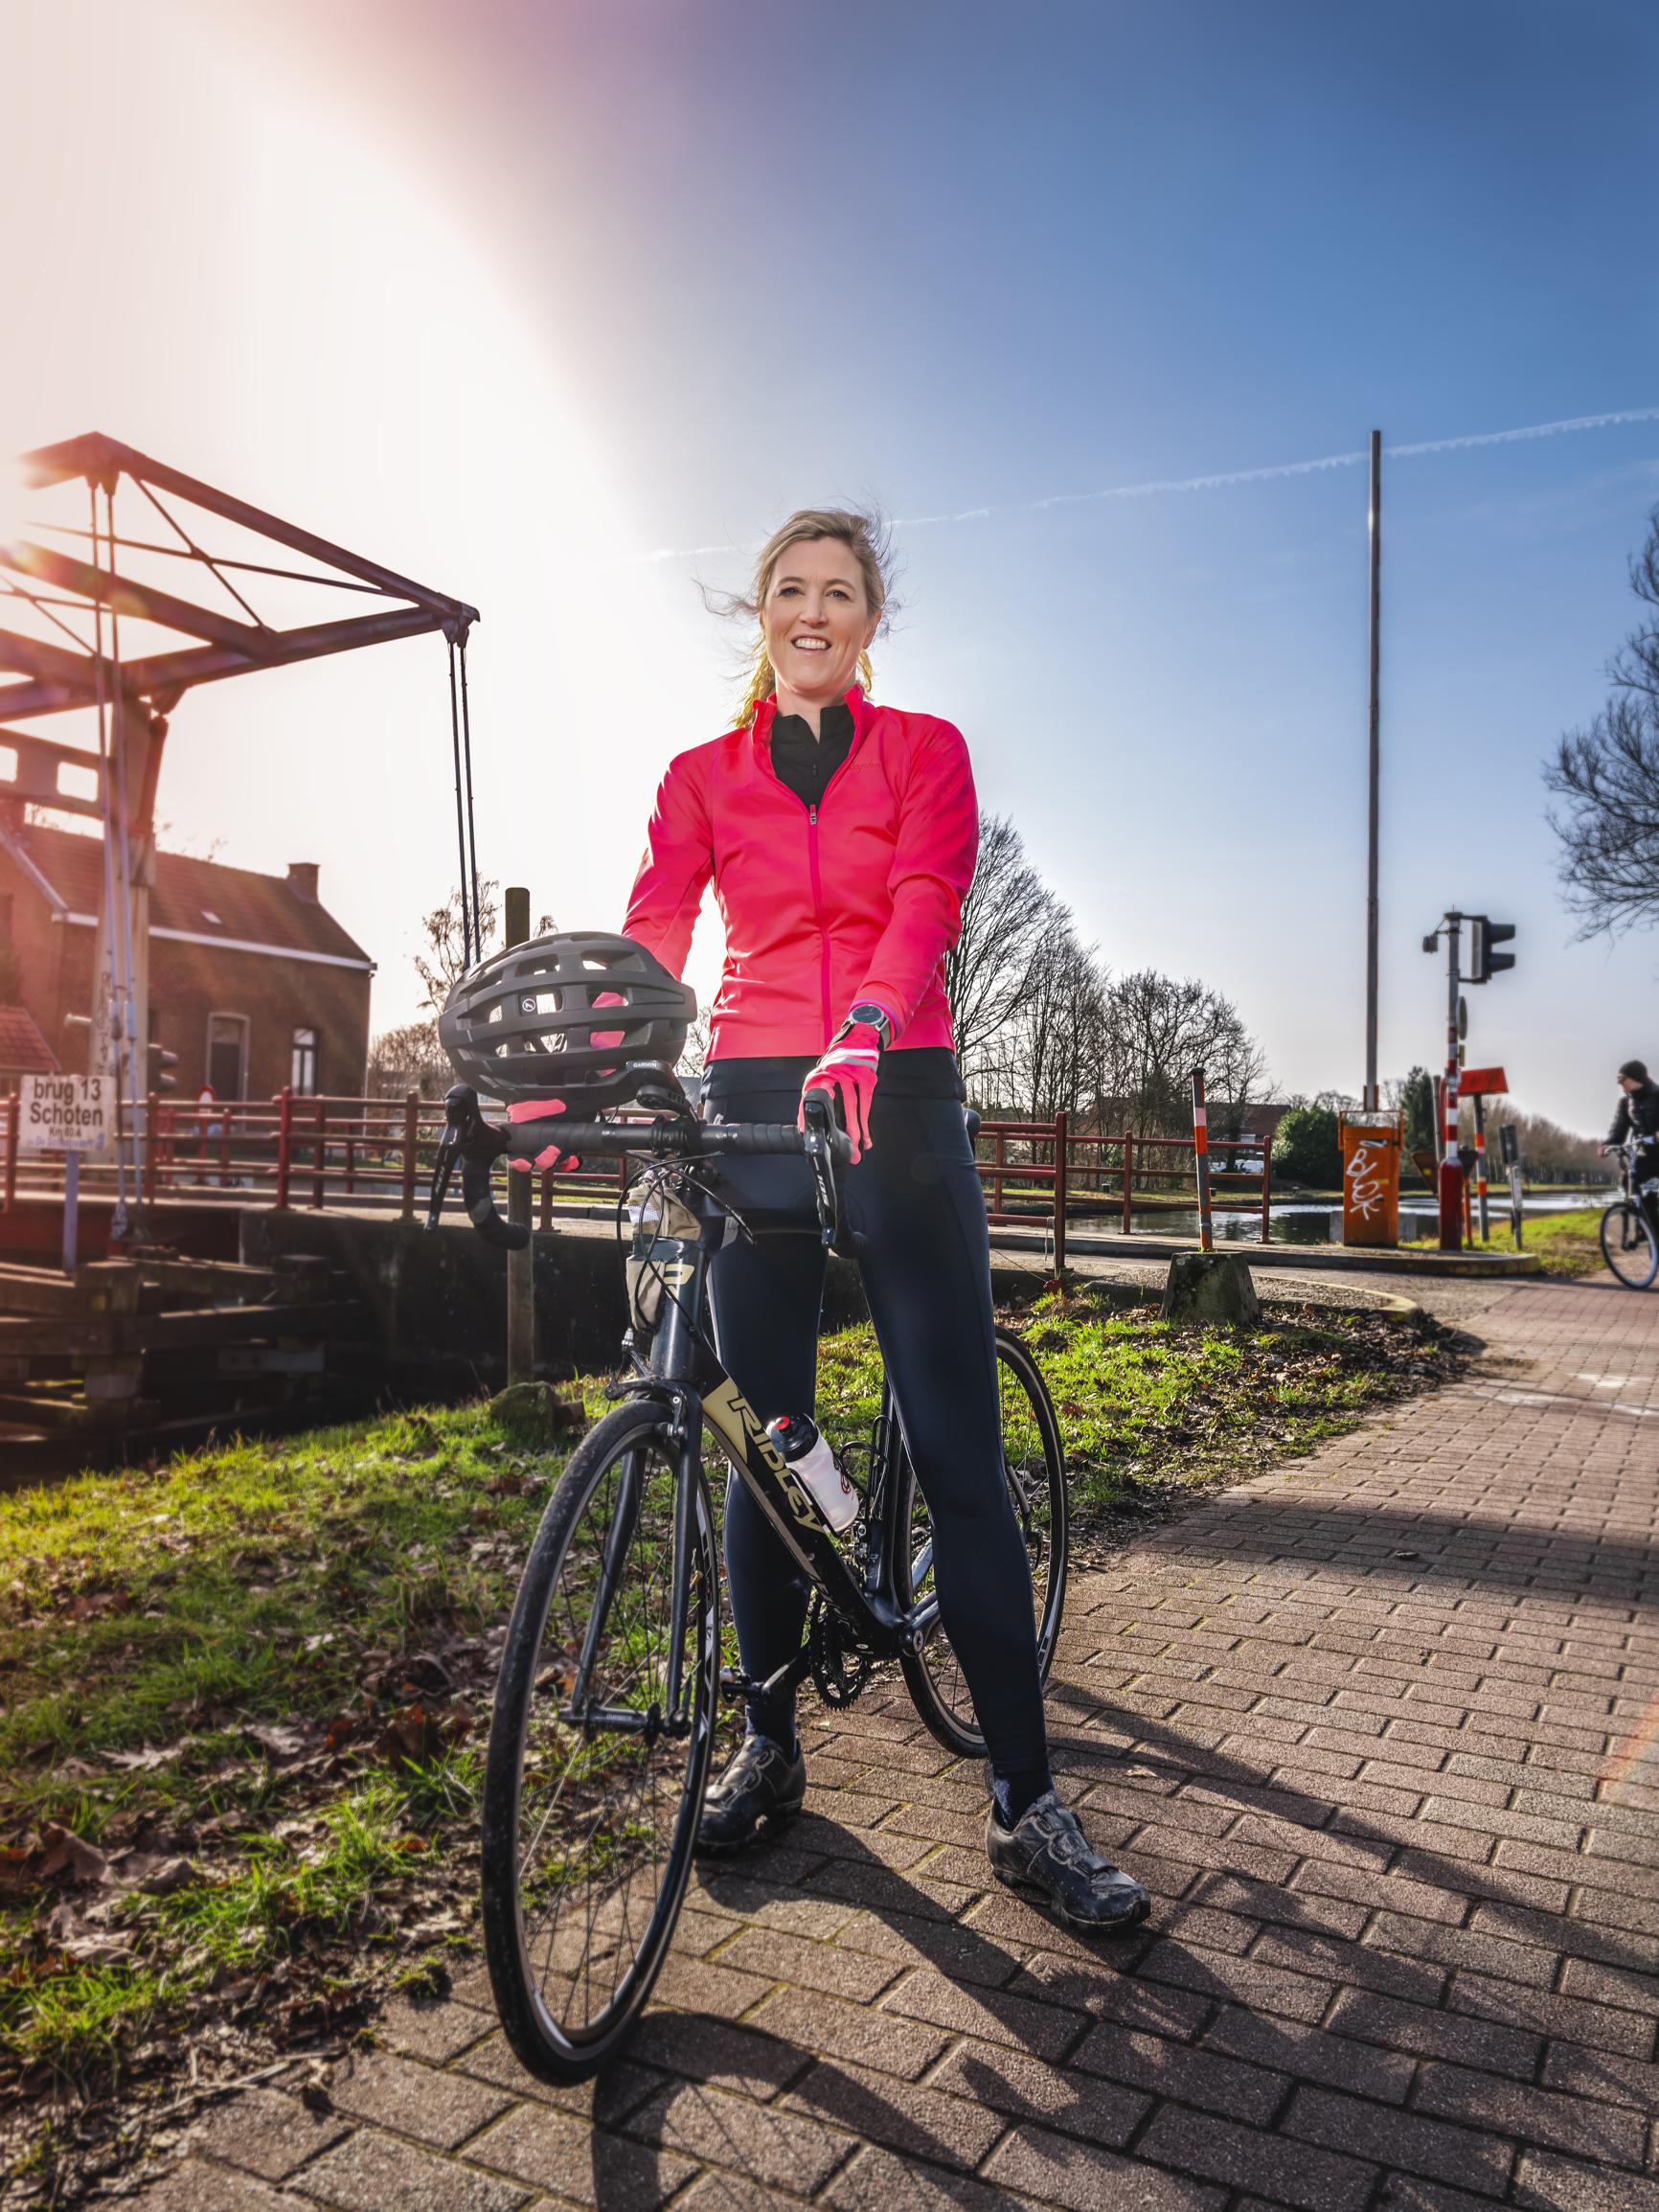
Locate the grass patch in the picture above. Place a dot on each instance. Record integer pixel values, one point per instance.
(1567, 1243)
(1147, 1406)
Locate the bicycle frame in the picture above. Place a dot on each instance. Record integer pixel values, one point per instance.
(687, 1378)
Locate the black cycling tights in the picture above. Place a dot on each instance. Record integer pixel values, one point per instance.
(915, 1198)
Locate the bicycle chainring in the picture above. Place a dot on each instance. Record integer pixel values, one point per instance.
(841, 1668)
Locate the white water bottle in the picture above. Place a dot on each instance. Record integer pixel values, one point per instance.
(813, 1466)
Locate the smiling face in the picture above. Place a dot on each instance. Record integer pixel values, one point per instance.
(817, 620)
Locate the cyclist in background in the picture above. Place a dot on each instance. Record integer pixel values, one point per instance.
(840, 837)
(1638, 1112)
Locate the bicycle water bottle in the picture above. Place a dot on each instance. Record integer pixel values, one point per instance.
(812, 1463)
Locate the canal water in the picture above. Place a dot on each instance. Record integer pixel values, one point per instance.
(1309, 1221)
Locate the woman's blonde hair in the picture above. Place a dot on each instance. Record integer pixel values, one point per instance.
(865, 536)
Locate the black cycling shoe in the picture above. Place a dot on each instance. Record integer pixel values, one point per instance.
(761, 1783)
(1046, 1854)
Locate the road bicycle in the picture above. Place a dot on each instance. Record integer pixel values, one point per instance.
(605, 1709)
(1629, 1240)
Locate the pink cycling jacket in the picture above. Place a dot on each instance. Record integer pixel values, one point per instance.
(859, 898)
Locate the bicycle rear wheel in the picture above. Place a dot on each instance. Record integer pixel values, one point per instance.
(1035, 1469)
(1629, 1244)
(593, 1781)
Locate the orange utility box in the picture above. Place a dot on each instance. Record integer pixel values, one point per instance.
(1370, 1147)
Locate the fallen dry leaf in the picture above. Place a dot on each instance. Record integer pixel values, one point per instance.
(280, 1742)
(68, 1858)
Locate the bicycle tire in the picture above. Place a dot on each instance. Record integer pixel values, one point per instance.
(545, 1980)
(1629, 1244)
(933, 1676)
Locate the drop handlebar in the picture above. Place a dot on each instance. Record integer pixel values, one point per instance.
(475, 1145)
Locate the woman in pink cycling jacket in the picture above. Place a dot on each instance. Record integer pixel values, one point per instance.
(840, 837)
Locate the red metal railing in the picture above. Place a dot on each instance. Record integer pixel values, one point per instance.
(378, 1153)
(1070, 1167)
(316, 1152)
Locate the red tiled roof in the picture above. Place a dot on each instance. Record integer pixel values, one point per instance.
(23, 1050)
(202, 898)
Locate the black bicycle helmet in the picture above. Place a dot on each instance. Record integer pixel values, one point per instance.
(523, 1024)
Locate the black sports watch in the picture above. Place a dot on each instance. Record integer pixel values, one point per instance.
(871, 1016)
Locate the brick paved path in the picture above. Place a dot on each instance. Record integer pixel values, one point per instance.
(1366, 1730)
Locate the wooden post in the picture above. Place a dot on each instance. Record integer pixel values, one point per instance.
(1128, 1179)
(411, 1140)
(520, 1192)
(71, 1210)
(285, 1138)
(1061, 1191)
(319, 1155)
(1266, 1188)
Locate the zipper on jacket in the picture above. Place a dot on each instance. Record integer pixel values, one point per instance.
(818, 910)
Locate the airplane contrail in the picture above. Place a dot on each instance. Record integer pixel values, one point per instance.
(1222, 480)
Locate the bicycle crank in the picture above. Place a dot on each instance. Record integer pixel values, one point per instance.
(841, 1666)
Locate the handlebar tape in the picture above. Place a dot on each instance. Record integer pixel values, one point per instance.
(661, 1140)
(666, 1139)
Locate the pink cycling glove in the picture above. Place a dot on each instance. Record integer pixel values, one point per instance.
(551, 1160)
(847, 1072)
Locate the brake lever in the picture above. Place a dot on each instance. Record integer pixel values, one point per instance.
(818, 1121)
(821, 1146)
(467, 1138)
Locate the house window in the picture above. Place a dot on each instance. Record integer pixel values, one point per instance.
(227, 1055)
(302, 1064)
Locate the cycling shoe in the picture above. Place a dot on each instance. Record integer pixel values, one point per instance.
(1045, 1854)
(761, 1783)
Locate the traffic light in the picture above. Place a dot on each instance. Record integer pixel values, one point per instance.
(162, 1063)
(1484, 962)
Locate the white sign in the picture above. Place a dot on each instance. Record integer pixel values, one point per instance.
(64, 1113)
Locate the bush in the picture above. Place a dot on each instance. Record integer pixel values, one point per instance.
(1307, 1148)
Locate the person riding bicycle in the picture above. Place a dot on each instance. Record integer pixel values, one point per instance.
(1638, 1114)
(840, 836)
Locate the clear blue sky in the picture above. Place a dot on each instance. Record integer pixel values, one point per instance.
(950, 256)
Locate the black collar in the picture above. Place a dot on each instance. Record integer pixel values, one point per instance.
(835, 727)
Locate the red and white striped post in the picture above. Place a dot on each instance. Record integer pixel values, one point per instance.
(1451, 1172)
(1201, 1158)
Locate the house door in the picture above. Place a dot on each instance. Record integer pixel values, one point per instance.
(227, 1055)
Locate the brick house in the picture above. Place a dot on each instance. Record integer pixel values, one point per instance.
(252, 981)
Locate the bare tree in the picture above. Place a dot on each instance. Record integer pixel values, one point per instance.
(441, 960)
(1046, 1041)
(409, 1059)
(1551, 1154)
(1157, 1030)
(1607, 775)
(1006, 915)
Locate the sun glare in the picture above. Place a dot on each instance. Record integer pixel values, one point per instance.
(14, 496)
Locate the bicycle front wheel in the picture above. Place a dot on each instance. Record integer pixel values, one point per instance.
(1628, 1245)
(599, 1749)
(1034, 1471)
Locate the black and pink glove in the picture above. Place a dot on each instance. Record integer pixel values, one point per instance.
(551, 1160)
(848, 1073)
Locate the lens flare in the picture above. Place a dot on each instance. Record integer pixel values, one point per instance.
(1636, 1757)
(13, 494)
